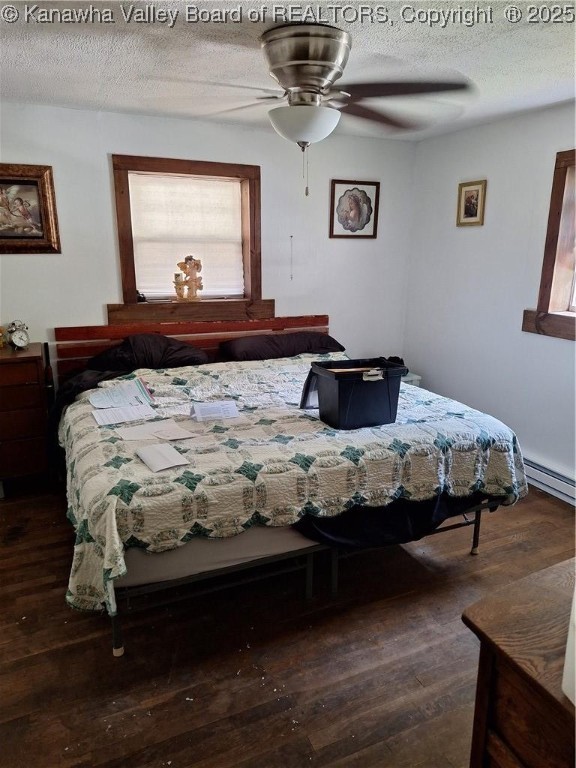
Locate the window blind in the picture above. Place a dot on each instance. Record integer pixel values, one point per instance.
(174, 216)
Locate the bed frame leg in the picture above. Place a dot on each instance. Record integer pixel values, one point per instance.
(476, 534)
(117, 641)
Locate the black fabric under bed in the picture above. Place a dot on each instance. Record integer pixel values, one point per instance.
(399, 522)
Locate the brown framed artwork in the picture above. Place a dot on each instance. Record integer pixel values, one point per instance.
(354, 208)
(471, 202)
(28, 220)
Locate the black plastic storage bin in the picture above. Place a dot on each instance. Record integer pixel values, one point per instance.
(357, 393)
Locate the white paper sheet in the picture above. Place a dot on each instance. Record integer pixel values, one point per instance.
(106, 416)
(173, 433)
(151, 430)
(132, 392)
(160, 456)
(222, 409)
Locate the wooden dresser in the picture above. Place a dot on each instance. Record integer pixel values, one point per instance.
(522, 719)
(22, 412)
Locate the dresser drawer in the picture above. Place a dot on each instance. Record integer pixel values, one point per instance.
(526, 721)
(17, 397)
(22, 457)
(19, 373)
(23, 413)
(15, 425)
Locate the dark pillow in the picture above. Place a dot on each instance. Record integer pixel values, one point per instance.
(117, 358)
(179, 353)
(147, 350)
(270, 346)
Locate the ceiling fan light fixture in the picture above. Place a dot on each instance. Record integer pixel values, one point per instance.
(304, 124)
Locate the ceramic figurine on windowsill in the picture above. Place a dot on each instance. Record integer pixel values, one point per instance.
(187, 287)
(179, 286)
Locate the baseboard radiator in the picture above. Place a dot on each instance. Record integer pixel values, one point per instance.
(550, 481)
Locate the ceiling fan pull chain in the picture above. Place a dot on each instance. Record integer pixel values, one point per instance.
(304, 147)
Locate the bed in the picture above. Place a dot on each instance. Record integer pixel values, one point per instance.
(251, 480)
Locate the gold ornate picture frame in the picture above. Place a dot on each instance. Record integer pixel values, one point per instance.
(28, 219)
(471, 203)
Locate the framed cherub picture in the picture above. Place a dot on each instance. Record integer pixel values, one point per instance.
(28, 220)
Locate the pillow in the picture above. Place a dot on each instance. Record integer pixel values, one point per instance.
(117, 358)
(147, 350)
(269, 346)
(151, 350)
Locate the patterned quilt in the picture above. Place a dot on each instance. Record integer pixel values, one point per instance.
(269, 466)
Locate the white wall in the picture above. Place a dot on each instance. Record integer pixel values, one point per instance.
(360, 284)
(468, 286)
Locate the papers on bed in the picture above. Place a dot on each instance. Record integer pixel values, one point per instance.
(220, 409)
(166, 429)
(131, 401)
(160, 456)
(126, 401)
(157, 456)
(133, 392)
(106, 416)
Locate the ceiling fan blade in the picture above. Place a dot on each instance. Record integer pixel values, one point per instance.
(275, 92)
(247, 106)
(359, 91)
(378, 117)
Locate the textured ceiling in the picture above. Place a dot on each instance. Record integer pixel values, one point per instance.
(197, 69)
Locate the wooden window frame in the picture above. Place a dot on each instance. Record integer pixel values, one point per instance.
(251, 305)
(553, 317)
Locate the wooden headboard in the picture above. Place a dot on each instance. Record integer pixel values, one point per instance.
(76, 344)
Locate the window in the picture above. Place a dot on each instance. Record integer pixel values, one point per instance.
(173, 216)
(169, 209)
(555, 314)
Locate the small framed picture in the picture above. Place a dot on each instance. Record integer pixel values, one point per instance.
(28, 220)
(471, 201)
(354, 208)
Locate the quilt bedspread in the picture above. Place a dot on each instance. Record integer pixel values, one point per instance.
(269, 466)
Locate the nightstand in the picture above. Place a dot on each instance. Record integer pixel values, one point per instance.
(412, 378)
(23, 413)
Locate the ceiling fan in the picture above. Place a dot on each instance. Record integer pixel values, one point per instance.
(306, 60)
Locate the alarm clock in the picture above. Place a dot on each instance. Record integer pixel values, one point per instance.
(17, 332)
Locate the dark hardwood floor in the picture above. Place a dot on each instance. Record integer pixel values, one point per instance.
(254, 677)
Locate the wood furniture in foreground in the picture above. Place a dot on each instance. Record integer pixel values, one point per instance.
(22, 412)
(522, 719)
